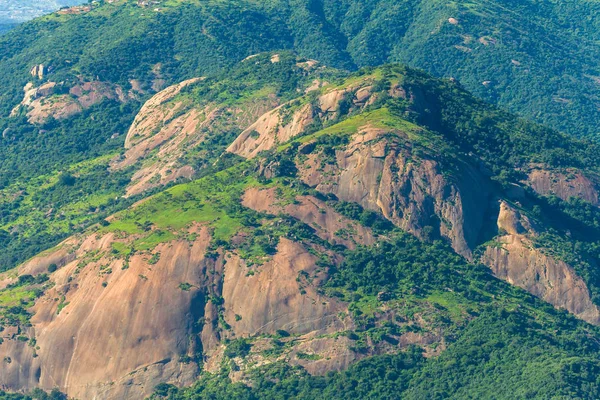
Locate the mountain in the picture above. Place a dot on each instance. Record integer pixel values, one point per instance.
(244, 200)
(340, 222)
(538, 58)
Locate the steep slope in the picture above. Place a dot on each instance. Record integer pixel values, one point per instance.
(427, 188)
(288, 258)
(86, 174)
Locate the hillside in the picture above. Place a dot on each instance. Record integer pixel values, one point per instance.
(330, 227)
(536, 58)
(254, 200)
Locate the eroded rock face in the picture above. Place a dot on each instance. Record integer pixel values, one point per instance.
(49, 100)
(168, 126)
(114, 329)
(563, 185)
(328, 224)
(272, 298)
(270, 130)
(380, 170)
(515, 259)
(381, 174)
(289, 120)
(153, 113)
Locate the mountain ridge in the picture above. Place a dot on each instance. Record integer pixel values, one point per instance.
(227, 200)
(293, 245)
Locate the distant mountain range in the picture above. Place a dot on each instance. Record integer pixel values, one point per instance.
(23, 10)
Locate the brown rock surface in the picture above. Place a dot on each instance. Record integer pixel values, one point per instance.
(314, 212)
(45, 101)
(516, 260)
(127, 326)
(269, 131)
(154, 113)
(272, 299)
(383, 175)
(563, 185)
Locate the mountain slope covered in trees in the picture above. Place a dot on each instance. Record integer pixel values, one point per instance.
(201, 199)
(537, 58)
(332, 222)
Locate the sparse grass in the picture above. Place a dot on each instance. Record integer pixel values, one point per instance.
(204, 201)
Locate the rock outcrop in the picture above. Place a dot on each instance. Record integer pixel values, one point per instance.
(564, 184)
(272, 299)
(291, 119)
(49, 100)
(328, 224)
(381, 174)
(384, 170)
(168, 127)
(270, 130)
(38, 71)
(514, 258)
(111, 328)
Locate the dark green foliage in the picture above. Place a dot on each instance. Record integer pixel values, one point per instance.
(29, 151)
(48, 231)
(238, 348)
(504, 143)
(66, 179)
(368, 218)
(552, 80)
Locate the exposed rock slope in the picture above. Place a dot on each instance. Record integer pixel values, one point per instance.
(229, 271)
(515, 259)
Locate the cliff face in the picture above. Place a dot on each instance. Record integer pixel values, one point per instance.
(382, 174)
(137, 313)
(110, 328)
(162, 124)
(114, 328)
(515, 259)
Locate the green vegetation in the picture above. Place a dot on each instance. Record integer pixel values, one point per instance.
(18, 297)
(495, 50)
(36, 394)
(494, 340)
(57, 177)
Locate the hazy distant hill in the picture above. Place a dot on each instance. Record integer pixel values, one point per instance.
(22, 10)
(6, 27)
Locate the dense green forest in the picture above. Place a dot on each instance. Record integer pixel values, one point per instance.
(494, 49)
